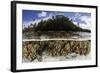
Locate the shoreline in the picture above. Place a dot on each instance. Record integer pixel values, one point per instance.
(56, 34)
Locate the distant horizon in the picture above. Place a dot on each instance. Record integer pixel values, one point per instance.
(83, 19)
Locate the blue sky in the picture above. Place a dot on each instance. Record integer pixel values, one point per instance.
(84, 19)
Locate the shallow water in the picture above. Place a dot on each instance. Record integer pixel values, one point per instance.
(85, 35)
(57, 34)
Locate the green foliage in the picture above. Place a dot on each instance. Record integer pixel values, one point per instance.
(58, 24)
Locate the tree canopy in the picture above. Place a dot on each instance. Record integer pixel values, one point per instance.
(61, 23)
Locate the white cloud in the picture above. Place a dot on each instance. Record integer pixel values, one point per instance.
(76, 16)
(75, 22)
(36, 21)
(84, 26)
(42, 14)
(87, 20)
(26, 24)
(83, 18)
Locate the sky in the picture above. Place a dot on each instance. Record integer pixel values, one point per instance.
(33, 16)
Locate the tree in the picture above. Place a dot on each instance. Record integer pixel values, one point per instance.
(57, 24)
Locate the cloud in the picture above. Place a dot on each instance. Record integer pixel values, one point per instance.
(83, 20)
(36, 21)
(51, 14)
(86, 19)
(42, 14)
(87, 22)
(26, 24)
(76, 16)
(84, 26)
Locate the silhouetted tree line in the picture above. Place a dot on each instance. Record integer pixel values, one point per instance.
(56, 24)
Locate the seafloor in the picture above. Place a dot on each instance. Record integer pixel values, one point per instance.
(55, 50)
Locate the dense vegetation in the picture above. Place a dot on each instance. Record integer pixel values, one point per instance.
(56, 24)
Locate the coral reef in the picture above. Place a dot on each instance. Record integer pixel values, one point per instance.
(34, 49)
